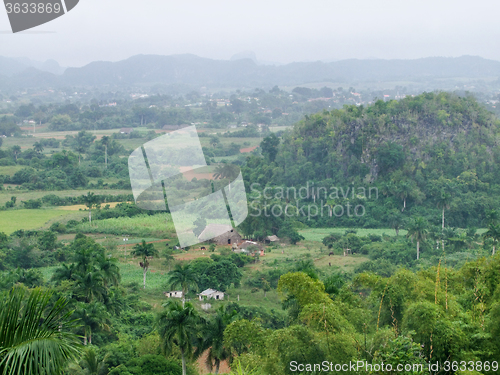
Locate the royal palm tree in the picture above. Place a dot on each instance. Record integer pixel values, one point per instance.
(185, 277)
(37, 146)
(212, 339)
(418, 232)
(109, 269)
(444, 201)
(90, 286)
(493, 232)
(229, 171)
(178, 325)
(90, 200)
(145, 251)
(35, 335)
(403, 191)
(105, 141)
(64, 272)
(396, 221)
(91, 316)
(16, 150)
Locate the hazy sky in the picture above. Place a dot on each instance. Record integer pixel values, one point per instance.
(276, 30)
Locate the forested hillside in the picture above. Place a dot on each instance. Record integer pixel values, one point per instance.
(419, 154)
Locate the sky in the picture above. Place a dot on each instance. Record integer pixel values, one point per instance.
(276, 30)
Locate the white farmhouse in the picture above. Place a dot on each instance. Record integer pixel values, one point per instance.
(174, 294)
(211, 293)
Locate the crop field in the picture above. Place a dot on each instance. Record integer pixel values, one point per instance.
(159, 225)
(317, 234)
(13, 220)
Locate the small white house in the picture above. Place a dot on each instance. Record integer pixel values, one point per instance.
(211, 293)
(174, 294)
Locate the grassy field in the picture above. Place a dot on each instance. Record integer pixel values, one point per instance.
(24, 195)
(13, 220)
(317, 234)
(11, 169)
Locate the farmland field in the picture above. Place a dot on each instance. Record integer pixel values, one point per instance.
(13, 220)
(317, 234)
(159, 225)
(25, 195)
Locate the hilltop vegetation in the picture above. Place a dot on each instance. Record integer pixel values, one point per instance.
(418, 154)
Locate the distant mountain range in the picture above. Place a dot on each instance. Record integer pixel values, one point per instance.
(237, 72)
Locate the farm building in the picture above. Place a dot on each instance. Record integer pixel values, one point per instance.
(273, 238)
(126, 130)
(174, 294)
(220, 234)
(211, 293)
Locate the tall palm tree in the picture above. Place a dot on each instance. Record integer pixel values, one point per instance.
(185, 277)
(90, 200)
(109, 269)
(396, 221)
(64, 272)
(35, 334)
(212, 339)
(105, 141)
(90, 286)
(16, 150)
(178, 325)
(403, 191)
(229, 171)
(444, 201)
(91, 316)
(144, 250)
(37, 146)
(493, 232)
(418, 232)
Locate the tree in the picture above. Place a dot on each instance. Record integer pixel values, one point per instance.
(16, 150)
(229, 171)
(145, 251)
(214, 141)
(493, 232)
(35, 335)
(105, 141)
(90, 200)
(178, 325)
(82, 142)
(200, 224)
(92, 316)
(418, 232)
(212, 339)
(444, 201)
(269, 146)
(403, 191)
(92, 365)
(38, 147)
(169, 258)
(185, 277)
(396, 221)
